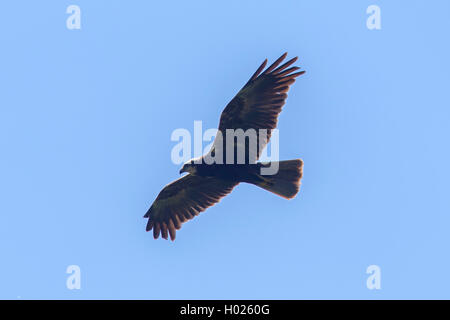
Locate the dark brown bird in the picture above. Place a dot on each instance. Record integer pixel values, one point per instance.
(256, 106)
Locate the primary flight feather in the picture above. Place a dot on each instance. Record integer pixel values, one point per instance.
(255, 107)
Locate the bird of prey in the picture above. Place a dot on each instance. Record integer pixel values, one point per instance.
(256, 106)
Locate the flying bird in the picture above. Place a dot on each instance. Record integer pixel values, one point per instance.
(256, 106)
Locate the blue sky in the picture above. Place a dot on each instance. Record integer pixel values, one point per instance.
(85, 123)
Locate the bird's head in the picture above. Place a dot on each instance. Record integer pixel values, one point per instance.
(189, 167)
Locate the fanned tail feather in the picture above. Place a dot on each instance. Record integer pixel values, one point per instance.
(286, 182)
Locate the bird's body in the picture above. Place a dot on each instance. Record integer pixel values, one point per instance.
(254, 110)
(230, 172)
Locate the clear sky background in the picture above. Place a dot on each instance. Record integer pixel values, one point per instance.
(85, 123)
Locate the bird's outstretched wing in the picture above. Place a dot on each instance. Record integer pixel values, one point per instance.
(182, 200)
(258, 103)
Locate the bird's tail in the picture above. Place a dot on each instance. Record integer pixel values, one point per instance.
(285, 182)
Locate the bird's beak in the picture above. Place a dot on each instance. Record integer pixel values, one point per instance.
(181, 170)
